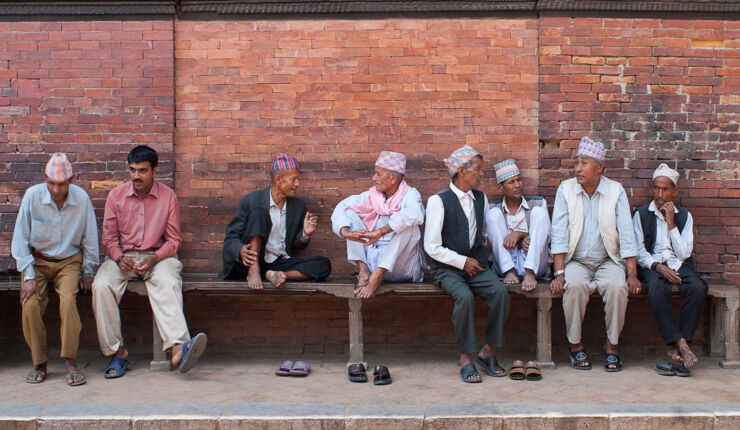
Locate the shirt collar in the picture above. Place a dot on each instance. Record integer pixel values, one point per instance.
(154, 192)
(459, 193)
(273, 204)
(601, 188)
(522, 204)
(654, 209)
(47, 200)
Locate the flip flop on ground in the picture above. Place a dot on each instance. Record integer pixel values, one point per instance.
(470, 374)
(72, 380)
(284, 369)
(300, 368)
(357, 373)
(381, 375)
(612, 363)
(192, 350)
(36, 376)
(119, 366)
(490, 366)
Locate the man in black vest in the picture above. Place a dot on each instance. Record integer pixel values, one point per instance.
(665, 239)
(268, 227)
(454, 239)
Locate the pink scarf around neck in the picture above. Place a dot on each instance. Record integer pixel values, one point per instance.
(376, 205)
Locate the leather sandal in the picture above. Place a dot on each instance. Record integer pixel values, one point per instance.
(357, 373)
(533, 372)
(516, 371)
(382, 376)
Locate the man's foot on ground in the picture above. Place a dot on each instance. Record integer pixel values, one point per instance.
(122, 353)
(76, 376)
(176, 356)
(511, 278)
(254, 279)
(530, 281)
(688, 356)
(573, 350)
(276, 278)
(611, 349)
(38, 374)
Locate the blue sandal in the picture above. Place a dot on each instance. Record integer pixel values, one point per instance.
(119, 365)
(192, 350)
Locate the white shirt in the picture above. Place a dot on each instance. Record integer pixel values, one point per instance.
(671, 247)
(275, 246)
(435, 220)
(518, 220)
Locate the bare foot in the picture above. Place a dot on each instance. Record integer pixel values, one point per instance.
(363, 277)
(673, 354)
(176, 354)
(254, 280)
(276, 278)
(71, 365)
(372, 284)
(688, 356)
(530, 282)
(37, 377)
(511, 278)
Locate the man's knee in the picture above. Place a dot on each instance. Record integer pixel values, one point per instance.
(615, 290)
(539, 214)
(495, 216)
(323, 265)
(464, 298)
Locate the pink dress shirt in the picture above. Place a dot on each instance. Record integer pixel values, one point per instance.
(132, 223)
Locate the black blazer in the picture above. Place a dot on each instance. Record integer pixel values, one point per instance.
(253, 219)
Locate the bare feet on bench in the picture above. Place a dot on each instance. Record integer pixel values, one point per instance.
(511, 278)
(364, 277)
(373, 283)
(276, 278)
(254, 279)
(530, 281)
(687, 355)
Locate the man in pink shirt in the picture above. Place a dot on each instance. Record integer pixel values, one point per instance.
(141, 235)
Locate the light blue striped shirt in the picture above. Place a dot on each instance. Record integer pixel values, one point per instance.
(55, 233)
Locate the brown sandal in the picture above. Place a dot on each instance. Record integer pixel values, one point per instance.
(516, 371)
(533, 372)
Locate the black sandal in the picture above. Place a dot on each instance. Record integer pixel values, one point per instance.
(490, 366)
(612, 360)
(468, 371)
(356, 372)
(382, 376)
(579, 357)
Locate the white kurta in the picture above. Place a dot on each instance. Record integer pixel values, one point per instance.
(400, 251)
(539, 233)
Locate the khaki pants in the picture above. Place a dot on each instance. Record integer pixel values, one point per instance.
(581, 279)
(66, 277)
(164, 288)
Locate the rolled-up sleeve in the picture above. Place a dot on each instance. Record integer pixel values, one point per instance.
(20, 245)
(559, 232)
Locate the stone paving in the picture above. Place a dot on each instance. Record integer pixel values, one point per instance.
(236, 392)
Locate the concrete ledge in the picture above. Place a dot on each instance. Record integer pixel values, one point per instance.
(380, 416)
(20, 416)
(555, 415)
(637, 416)
(69, 415)
(177, 416)
(280, 416)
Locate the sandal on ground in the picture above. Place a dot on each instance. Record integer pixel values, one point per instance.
(612, 360)
(516, 371)
(36, 376)
(192, 350)
(680, 369)
(357, 373)
(71, 379)
(470, 374)
(579, 357)
(490, 366)
(284, 369)
(381, 376)
(119, 365)
(664, 369)
(300, 368)
(533, 372)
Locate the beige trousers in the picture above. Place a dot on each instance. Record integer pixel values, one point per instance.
(66, 277)
(164, 288)
(581, 279)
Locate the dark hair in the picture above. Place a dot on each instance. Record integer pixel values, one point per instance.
(143, 153)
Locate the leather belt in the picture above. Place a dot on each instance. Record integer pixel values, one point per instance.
(45, 258)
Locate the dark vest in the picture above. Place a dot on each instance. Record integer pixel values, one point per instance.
(455, 233)
(650, 226)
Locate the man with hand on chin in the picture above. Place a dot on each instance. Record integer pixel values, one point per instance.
(665, 239)
(268, 227)
(141, 235)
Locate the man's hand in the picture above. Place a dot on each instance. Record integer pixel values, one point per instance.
(247, 255)
(127, 264)
(472, 267)
(667, 210)
(355, 235)
(669, 274)
(512, 239)
(86, 283)
(634, 285)
(374, 236)
(310, 223)
(557, 285)
(28, 289)
(146, 264)
(525, 243)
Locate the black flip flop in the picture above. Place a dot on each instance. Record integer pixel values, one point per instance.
(665, 369)
(613, 360)
(490, 366)
(357, 373)
(381, 376)
(578, 357)
(469, 370)
(680, 369)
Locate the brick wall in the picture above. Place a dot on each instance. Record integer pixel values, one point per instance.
(657, 90)
(89, 89)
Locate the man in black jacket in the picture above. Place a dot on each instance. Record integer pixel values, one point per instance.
(268, 227)
(665, 239)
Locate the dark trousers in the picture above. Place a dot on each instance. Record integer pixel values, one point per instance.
(317, 267)
(463, 290)
(693, 289)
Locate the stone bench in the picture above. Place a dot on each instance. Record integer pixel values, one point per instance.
(723, 341)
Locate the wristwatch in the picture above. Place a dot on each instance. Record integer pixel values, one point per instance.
(118, 260)
(558, 273)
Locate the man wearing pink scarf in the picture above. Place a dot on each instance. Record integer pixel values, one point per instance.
(381, 227)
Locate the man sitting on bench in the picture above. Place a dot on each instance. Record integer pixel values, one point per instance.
(268, 227)
(665, 239)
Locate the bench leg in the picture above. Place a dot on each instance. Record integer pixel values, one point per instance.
(544, 333)
(356, 347)
(731, 349)
(715, 327)
(159, 360)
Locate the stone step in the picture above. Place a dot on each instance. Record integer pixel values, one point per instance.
(184, 416)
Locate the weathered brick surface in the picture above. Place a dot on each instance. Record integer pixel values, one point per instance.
(89, 89)
(655, 90)
(336, 93)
